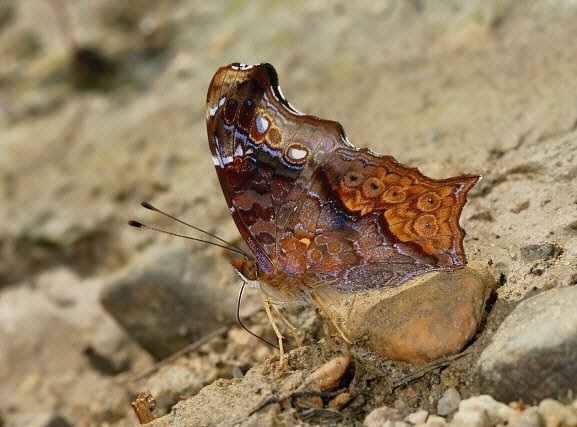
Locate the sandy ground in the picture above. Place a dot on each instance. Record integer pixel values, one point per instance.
(486, 87)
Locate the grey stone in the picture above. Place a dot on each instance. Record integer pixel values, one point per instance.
(449, 402)
(168, 299)
(532, 354)
(540, 251)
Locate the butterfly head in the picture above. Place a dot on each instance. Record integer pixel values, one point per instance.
(247, 269)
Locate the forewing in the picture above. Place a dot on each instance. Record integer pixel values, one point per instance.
(264, 152)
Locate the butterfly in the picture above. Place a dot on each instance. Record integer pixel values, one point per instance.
(316, 212)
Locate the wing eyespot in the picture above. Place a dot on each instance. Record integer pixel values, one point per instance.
(394, 194)
(429, 202)
(352, 179)
(373, 187)
(296, 154)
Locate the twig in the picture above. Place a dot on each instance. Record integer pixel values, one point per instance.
(423, 370)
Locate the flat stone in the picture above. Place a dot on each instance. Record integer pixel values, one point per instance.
(428, 317)
(167, 299)
(532, 354)
(540, 251)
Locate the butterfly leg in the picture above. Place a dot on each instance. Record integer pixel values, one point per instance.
(281, 363)
(288, 324)
(327, 312)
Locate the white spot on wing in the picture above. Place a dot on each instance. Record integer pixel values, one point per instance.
(296, 153)
(262, 123)
(216, 161)
(241, 67)
(238, 152)
(226, 160)
(215, 107)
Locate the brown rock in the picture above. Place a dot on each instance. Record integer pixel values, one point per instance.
(340, 400)
(328, 376)
(325, 378)
(431, 316)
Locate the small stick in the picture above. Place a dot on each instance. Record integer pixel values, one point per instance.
(143, 406)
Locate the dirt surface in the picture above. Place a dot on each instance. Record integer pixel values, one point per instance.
(102, 106)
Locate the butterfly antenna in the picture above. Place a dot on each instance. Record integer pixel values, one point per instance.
(242, 324)
(228, 244)
(141, 225)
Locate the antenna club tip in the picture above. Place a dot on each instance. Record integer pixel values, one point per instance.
(148, 206)
(135, 224)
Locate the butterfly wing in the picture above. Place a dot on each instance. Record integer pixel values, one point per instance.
(315, 208)
(368, 221)
(264, 152)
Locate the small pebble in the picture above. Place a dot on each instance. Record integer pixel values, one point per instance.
(497, 412)
(555, 414)
(449, 402)
(471, 418)
(540, 251)
(340, 401)
(327, 377)
(418, 417)
(383, 416)
(435, 421)
(528, 418)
